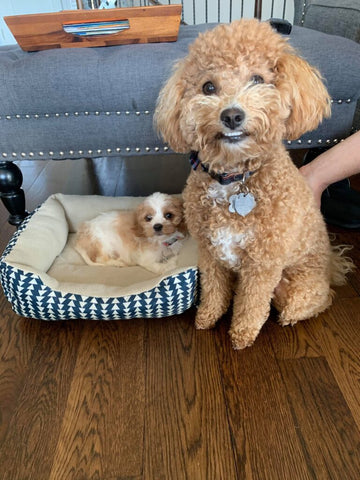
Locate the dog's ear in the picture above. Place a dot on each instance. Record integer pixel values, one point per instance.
(168, 110)
(181, 215)
(139, 215)
(302, 91)
(177, 207)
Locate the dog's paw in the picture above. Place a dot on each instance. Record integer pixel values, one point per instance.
(285, 321)
(171, 263)
(204, 320)
(162, 267)
(243, 337)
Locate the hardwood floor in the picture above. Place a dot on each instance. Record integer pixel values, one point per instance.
(156, 399)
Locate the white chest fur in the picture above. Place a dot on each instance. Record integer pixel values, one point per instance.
(227, 240)
(227, 243)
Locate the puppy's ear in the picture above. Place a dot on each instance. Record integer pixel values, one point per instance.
(179, 205)
(302, 91)
(139, 215)
(168, 110)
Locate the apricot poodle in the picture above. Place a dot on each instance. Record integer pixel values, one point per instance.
(235, 97)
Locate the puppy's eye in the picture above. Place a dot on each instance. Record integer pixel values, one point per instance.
(255, 79)
(148, 218)
(168, 215)
(209, 88)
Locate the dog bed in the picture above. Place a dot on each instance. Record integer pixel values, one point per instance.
(44, 277)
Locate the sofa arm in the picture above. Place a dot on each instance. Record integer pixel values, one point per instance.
(336, 17)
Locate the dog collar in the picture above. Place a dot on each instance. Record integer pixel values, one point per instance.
(222, 178)
(171, 241)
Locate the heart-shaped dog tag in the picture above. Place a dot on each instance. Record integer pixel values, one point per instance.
(242, 203)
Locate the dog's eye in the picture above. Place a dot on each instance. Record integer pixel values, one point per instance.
(255, 79)
(209, 88)
(148, 218)
(168, 215)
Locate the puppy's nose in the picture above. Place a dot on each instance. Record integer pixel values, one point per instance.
(232, 117)
(157, 227)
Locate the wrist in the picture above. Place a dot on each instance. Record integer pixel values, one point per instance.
(313, 179)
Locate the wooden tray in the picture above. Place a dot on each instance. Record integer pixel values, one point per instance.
(46, 30)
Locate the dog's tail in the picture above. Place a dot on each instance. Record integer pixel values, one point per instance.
(340, 264)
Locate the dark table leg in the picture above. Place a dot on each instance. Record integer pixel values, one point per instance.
(11, 194)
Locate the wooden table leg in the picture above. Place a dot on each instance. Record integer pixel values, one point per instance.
(11, 193)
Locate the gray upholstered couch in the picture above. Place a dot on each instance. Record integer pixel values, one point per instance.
(336, 17)
(97, 102)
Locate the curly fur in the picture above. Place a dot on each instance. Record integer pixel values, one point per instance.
(280, 251)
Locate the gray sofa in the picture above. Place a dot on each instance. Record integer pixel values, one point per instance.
(336, 17)
(96, 102)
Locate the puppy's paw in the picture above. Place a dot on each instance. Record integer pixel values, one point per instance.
(170, 264)
(243, 337)
(161, 267)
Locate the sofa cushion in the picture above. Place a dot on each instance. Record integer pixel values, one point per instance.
(70, 103)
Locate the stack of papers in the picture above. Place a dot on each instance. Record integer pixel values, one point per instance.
(96, 28)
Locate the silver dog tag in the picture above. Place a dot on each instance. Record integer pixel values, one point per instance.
(242, 203)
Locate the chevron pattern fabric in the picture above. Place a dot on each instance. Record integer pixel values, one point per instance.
(30, 297)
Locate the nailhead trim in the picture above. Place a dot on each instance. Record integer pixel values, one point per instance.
(68, 114)
(165, 148)
(340, 101)
(303, 14)
(107, 113)
(310, 142)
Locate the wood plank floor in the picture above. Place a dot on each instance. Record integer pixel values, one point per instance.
(156, 399)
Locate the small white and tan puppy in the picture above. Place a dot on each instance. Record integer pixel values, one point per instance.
(149, 236)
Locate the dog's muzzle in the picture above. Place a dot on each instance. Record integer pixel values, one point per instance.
(232, 119)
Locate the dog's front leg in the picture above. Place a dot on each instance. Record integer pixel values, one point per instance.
(252, 303)
(216, 284)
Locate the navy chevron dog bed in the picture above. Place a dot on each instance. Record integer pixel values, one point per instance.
(44, 277)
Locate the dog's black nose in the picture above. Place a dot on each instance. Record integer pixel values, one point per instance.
(158, 227)
(232, 117)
